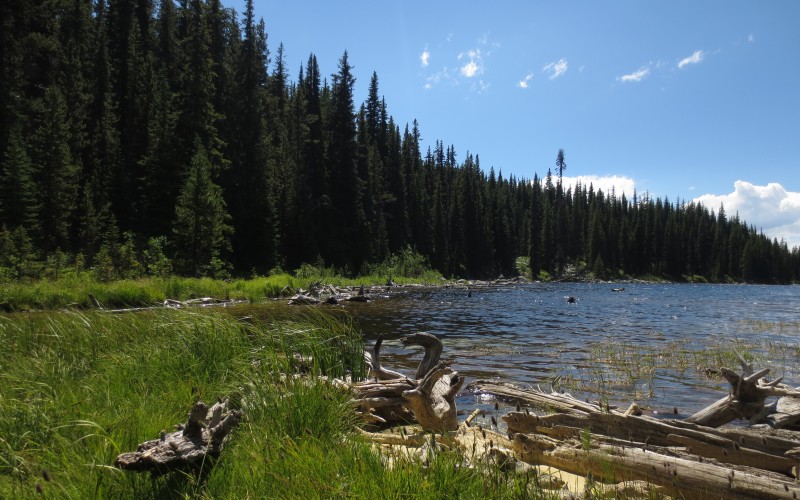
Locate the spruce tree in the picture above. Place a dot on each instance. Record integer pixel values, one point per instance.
(202, 225)
(19, 203)
(346, 186)
(55, 170)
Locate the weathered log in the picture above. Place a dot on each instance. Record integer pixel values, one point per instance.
(735, 447)
(193, 444)
(433, 400)
(536, 397)
(302, 299)
(680, 477)
(374, 362)
(96, 303)
(786, 413)
(433, 351)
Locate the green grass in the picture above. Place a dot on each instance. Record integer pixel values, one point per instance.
(72, 290)
(78, 388)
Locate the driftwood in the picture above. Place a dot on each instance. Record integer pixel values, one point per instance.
(536, 397)
(428, 398)
(746, 400)
(680, 477)
(735, 447)
(193, 444)
(681, 457)
(168, 303)
(319, 293)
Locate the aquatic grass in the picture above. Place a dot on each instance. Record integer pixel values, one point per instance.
(619, 370)
(783, 327)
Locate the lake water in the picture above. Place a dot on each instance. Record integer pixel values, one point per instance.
(651, 343)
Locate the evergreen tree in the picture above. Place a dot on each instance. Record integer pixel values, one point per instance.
(19, 204)
(346, 186)
(247, 182)
(99, 110)
(202, 225)
(55, 170)
(103, 154)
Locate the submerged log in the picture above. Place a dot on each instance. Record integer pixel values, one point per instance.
(193, 444)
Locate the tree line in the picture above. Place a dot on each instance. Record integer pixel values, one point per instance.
(155, 137)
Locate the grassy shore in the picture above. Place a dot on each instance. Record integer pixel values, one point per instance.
(78, 388)
(72, 290)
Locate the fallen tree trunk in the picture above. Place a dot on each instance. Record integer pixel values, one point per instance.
(537, 398)
(734, 447)
(432, 401)
(200, 439)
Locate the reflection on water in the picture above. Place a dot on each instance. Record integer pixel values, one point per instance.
(650, 342)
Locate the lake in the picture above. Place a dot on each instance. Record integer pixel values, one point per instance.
(650, 343)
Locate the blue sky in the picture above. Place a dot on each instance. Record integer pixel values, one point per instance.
(681, 99)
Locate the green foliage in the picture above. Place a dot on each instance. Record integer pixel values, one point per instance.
(155, 260)
(16, 254)
(408, 264)
(103, 268)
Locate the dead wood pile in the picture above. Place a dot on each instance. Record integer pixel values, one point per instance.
(618, 452)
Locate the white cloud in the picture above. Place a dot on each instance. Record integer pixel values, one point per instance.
(474, 66)
(470, 69)
(619, 183)
(556, 69)
(425, 58)
(770, 208)
(751, 38)
(523, 84)
(695, 58)
(636, 76)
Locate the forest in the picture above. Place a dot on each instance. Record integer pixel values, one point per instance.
(147, 137)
